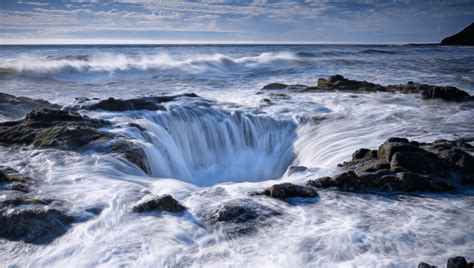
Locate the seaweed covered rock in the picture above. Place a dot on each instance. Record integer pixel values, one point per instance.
(238, 217)
(164, 202)
(289, 190)
(403, 165)
(52, 128)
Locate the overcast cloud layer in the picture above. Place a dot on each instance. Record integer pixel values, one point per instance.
(220, 21)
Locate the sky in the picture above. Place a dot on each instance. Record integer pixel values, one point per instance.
(232, 21)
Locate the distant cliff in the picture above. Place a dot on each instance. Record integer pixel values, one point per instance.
(463, 38)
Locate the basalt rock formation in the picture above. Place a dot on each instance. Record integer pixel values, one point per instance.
(26, 217)
(340, 83)
(406, 166)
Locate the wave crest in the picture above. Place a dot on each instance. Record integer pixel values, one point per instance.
(110, 63)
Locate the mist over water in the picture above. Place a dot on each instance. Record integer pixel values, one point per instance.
(229, 143)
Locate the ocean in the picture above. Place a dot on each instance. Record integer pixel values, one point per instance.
(233, 140)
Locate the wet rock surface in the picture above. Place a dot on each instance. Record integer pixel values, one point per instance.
(238, 217)
(26, 217)
(455, 262)
(403, 165)
(144, 103)
(340, 83)
(164, 202)
(52, 129)
(289, 190)
(16, 107)
(132, 153)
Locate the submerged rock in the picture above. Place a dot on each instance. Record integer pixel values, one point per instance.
(132, 153)
(164, 202)
(463, 38)
(289, 190)
(26, 217)
(275, 86)
(52, 128)
(238, 217)
(403, 165)
(33, 223)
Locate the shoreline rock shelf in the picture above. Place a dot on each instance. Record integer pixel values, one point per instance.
(400, 165)
(340, 83)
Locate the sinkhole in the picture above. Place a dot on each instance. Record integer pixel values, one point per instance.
(206, 146)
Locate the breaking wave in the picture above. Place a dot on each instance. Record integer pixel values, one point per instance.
(108, 64)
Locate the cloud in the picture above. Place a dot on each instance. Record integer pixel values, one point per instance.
(239, 20)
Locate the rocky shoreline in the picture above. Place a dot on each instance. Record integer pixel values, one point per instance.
(340, 83)
(398, 165)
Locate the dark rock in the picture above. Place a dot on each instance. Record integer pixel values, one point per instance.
(133, 153)
(164, 202)
(32, 221)
(296, 169)
(338, 82)
(446, 93)
(463, 38)
(419, 162)
(406, 166)
(393, 145)
(275, 86)
(344, 181)
(238, 217)
(360, 154)
(458, 262)
(288, 190)
(52, 128)
(16, 107)
(413, 182)
(117, 105)
(454, 155)
(371, 166)
(425, 265)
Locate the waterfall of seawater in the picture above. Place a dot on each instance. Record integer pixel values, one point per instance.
(206, 146)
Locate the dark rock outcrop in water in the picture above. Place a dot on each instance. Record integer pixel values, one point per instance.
(463, 38)
(132, 153)
(338, 82)
(238, 217)
(164, 202)
(26, 217)
(67, 130)
(17, 107)
(144, 103)
(455, 262)
(52, 128)
(289, 190)
(403, 165)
